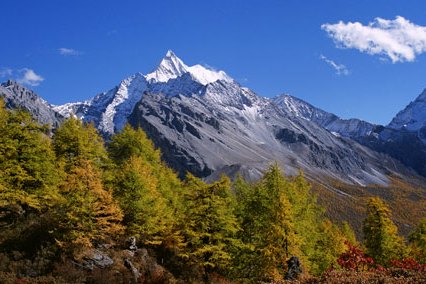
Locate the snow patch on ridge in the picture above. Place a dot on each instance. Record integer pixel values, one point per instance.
(413, 117)
(128, 94)
(206, 76)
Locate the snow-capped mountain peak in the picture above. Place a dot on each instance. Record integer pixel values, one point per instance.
(206, 75)
(172, 67)
(413, 117)
(344, 127)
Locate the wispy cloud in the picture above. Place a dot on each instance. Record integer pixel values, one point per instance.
(339, 68)
(24, 76)
(5, 72)
(68, 51)
(398, 39)
(29, 77)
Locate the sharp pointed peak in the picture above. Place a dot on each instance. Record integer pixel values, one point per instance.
(172, 57)
(170, 53)
(170, 67)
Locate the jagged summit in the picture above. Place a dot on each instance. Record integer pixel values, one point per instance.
(353, 128)
(206, 123)
(413, 117)
(172, 67)
(16, 95)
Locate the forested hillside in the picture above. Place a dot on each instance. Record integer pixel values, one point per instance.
(74, 209)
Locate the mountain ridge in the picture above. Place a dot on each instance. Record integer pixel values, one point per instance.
(207, 122)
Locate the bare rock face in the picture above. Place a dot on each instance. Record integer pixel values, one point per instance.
(18, 96)
(207, 124)
(403, 139)
(96, 258)
(207, 135)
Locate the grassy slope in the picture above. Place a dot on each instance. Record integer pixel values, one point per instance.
(407, 200)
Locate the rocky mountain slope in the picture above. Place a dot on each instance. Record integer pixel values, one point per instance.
(206, 123)
(404, 144)
(352, 128)
(412, 118)
(17, 96)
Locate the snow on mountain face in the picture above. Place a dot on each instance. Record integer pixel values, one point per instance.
(109, 110)
(413, 117)
(172, 67)
(127, 95)
(206, 123)
(206, 76)
(352, 128)
(206, 134)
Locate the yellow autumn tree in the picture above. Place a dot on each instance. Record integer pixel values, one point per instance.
(268, 228)
(88, 214)
(149, 192)
(381, 237)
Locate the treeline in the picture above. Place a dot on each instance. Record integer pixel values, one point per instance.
(63, 195)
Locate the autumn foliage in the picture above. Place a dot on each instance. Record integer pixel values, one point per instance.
(68, 194)
(355, 259)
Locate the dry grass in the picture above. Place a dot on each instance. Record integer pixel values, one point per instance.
(406, 199)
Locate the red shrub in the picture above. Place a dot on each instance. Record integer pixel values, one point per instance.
(408, 264)
(355, 259)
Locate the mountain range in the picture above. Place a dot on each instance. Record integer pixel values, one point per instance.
(206, 123)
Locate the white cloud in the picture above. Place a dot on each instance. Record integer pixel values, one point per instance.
(339, 68)
(29, 77)
(398, 39)
(68, 51)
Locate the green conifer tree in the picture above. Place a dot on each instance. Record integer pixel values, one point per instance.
(75, 141)
(88, 213)
(417, 239)
(348, 233)
(211, 226)
(28, 181)
(380, 233)
(27, 163)
(268, 228)
(329, 244)
(145, 209)
(132, 142)
(149, 192)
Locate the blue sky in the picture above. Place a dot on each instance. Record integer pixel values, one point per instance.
(81, 48)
